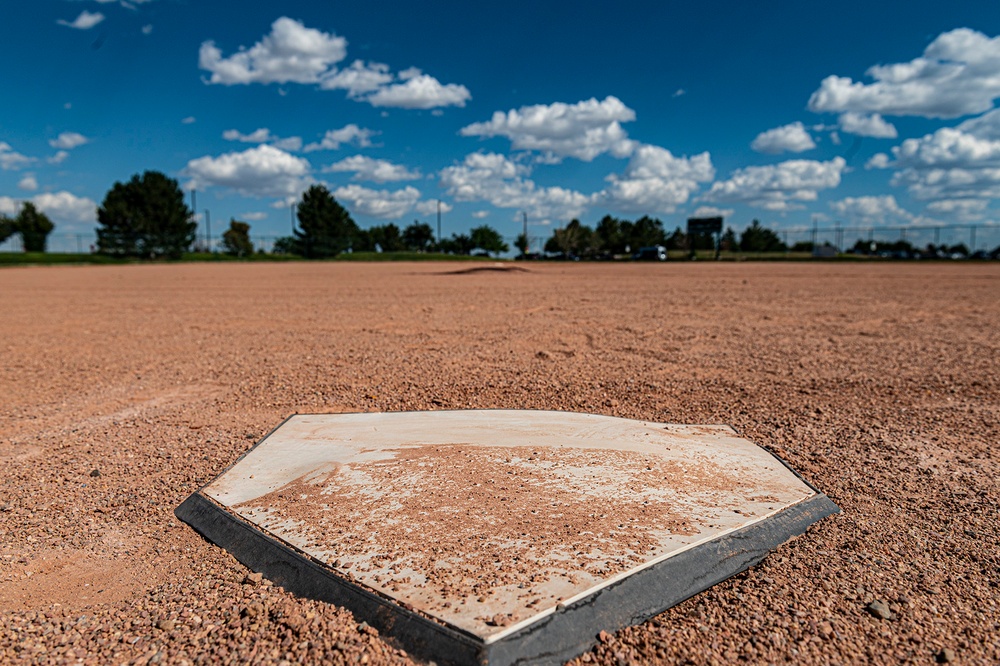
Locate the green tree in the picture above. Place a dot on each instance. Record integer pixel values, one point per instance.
(418, 237)
(145, 217)
(573, 239)
(6, 228)
(521, 244)
(457, 244)
(646, 231)
(728, 242)
(236, 239)
(678, 240)
(488, 239)
(34, 227)
(609, 234)
(285, 245)
(327, 229)
(386, 237)
(756, 238)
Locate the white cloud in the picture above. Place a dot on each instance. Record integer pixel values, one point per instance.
(878, 161)
(679, 92)
(29, 183)
(499, 181)
(85, 21)
(867, 124)
(383, 204)
(292, 143)
(974, 143)
(962, 210)
(263, 135)
(358, 79)
(956, 76)
(147, 29)
(961, 162)
(712, 211)
(348, 134)
(190, 120)
(368, 168)
(778, 186)
(68, 141)
(583, 130)
(655, 181)
(62, 207)
(291, 52)
(421, 91)
(430, 207)
(58, 158)
(253, 216)
(66, 207)
(480, 214)
(792, 138)
(872, 210)
(263, 171)
(11, 160)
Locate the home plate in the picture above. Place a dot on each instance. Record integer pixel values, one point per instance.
(501, 537)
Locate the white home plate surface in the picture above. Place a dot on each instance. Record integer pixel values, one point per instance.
(501, 536)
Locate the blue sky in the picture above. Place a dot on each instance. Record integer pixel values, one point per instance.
(867, 114)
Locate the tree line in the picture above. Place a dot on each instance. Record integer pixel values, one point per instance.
(147, 217)
(615, 237)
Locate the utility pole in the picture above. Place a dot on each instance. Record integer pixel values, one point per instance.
(972, 238)
(526, 243)
(208, 230)
(291, 211)
(814, 235)
(439, 222)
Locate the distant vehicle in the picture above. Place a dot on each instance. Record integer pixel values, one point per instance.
(652, 253)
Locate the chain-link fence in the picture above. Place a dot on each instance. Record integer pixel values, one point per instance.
(972, 237)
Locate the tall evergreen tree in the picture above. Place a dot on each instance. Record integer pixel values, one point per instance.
(327, 229)
(145, 217)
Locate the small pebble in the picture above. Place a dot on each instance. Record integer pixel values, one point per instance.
(880, 610)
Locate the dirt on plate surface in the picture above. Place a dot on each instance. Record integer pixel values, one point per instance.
(125, 388)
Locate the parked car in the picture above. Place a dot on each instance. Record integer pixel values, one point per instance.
(652, 253)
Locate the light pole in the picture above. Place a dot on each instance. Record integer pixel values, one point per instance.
(527, 244)
(439, 222)
(208, 230)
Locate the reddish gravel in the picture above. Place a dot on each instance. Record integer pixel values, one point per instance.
(126, 388)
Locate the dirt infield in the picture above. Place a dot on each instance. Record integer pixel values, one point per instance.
(123, 389)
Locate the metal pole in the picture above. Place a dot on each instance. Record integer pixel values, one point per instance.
(814, 235)
(972, 238)
(439, 221)
(291, 212)
(208, 230)
(526, 243)
(79, 243)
